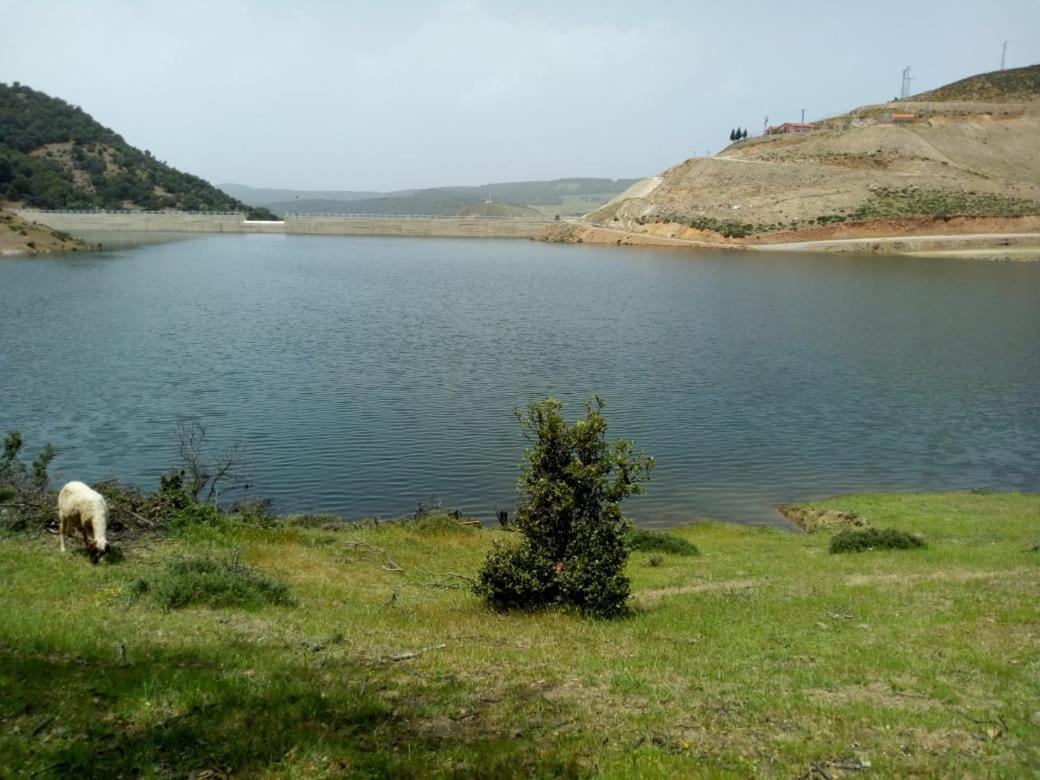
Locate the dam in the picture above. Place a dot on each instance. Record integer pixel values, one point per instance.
(77, 222)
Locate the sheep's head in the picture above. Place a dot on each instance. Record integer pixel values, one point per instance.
(97, 551)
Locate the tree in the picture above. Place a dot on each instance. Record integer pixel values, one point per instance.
(744, 135)
(732, 135)
(573, 545)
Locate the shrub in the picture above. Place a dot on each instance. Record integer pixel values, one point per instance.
(573, 545)
(26, 488)
(861, 540)
(659, 541)
(216, 583)
(195, 516)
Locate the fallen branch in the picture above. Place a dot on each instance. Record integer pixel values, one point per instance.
(415, 653)
(388, 563)
(440, 581)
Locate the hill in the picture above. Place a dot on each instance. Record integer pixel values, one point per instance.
(1012, 84)
(574, 196)
(263, 196)
(21, 237)
(56, 156)
(921, 164)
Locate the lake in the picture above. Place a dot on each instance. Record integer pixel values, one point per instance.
(362, 376)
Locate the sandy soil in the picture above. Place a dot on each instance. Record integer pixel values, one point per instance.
(18, 237)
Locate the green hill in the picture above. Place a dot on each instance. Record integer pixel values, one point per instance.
(516, 199)
(999, 85)
(56, 156)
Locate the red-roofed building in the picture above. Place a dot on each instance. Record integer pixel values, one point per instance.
(791, 127)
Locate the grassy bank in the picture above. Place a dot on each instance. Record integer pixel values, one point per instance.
(764, 654)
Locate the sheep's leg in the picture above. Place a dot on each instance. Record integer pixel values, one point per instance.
(61, 531)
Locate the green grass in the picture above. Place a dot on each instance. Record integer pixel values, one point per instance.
(763, 655)
(210, 582)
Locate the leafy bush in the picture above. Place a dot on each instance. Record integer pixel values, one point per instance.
(573, 545)
(659, 541)
(861, 540)
(194, 516)
(26, 489)
(212, 583)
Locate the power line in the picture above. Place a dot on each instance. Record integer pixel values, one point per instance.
(904, 92)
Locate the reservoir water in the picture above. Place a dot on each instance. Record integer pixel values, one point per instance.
(364, 375)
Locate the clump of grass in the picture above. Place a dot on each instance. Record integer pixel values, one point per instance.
(438, 524)
(660, 541)
(862, 540)
(216, 583)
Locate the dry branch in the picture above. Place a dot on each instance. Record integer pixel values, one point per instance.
(388, 563)
(415, 653)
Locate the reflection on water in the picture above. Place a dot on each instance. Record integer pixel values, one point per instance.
(365, 375)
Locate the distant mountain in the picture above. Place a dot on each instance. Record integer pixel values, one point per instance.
(56, 156)
(523, 198)
(262, 196)
(442, 206)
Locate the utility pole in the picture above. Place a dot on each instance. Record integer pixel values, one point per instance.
(1003, 55)
(803, 116)
(907, 78)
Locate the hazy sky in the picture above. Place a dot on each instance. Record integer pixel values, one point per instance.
(370, 95)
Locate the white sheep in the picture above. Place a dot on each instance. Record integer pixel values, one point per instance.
(83, 509)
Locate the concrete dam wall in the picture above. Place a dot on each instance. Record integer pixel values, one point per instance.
(84, 222)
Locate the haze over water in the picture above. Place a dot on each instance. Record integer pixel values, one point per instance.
(363, 376)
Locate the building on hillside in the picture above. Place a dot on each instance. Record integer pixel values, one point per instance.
(791, 127)
(896, 118)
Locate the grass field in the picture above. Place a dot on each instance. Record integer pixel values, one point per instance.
(763, 655)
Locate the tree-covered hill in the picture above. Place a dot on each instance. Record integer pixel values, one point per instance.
(56, 156)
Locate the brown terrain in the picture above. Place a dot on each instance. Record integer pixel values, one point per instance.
(962, 159)
(19, 237)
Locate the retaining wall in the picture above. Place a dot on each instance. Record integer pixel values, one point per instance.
(76, 222)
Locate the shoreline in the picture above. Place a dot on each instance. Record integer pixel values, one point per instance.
(1018, 246)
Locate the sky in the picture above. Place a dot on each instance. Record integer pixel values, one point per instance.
(362, 95)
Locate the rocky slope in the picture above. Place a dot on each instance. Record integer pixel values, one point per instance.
(947, 164)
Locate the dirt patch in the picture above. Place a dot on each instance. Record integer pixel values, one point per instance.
(876, 694)
(697, 587)
(948, 575)
(812, 520)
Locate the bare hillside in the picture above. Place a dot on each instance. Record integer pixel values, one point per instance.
(920, 162)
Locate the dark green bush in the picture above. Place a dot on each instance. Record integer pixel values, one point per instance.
(194, 516)
(215, 583)
(573, 545)
(26, 488)
(659, 541)
(863, 539)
